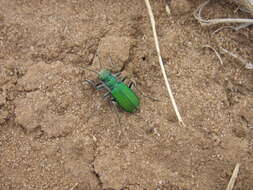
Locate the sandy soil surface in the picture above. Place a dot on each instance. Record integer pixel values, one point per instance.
(56, 132)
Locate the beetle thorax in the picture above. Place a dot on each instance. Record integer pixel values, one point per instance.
(108, 78)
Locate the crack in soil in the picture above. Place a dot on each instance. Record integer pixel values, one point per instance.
(92, 163)
(28, 91)
(98, 176)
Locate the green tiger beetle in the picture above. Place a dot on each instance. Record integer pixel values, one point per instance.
(117, 89)
(119, 92)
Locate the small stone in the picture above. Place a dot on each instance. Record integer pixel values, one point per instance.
(90, 58)
(180, 6)
(3, 116)
(240, 131)
(249, 66)
(50, 150)
(2, 100)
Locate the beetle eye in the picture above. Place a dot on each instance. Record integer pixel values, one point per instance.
(103, 74)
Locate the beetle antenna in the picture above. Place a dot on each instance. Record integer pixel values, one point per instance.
(114, 65)
(85, 68)
(144, 95)
(111, 62)
(99, 62)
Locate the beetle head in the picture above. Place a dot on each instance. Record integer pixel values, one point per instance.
(104, 75)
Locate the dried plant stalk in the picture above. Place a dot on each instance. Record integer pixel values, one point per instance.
(247, 64)
(215, 51)
(197, 15)
(152, 19)
(233, 177)
(247, 4)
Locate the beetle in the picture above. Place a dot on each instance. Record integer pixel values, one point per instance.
(116, 88)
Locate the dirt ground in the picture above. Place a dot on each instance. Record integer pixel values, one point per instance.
(56, 132)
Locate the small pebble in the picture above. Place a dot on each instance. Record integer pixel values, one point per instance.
(180, 6)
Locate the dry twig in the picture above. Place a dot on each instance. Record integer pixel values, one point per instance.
(235, 28)
(72, 188)
(152, 19)
(216, 52)
(198, 11)
(233, 177)
(167, 8)
(246, 63)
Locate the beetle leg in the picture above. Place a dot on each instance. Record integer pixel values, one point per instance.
(100, 86)
(113, 100)
(117, 74)
(131, 85)
(106, 95)
(123, 80)
(146, 96)
(91, 82)
(106, 87)
(115, 109)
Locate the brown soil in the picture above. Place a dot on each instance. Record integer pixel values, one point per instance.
(56, 132)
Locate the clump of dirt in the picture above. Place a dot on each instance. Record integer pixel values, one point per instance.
(51, 112)
(56, 132)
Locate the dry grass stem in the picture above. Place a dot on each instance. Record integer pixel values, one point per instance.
(244, 25)
(215, 51)
(167, 8)
(72, 188)
(246, 63)
(235, 28)
(233, 177)
(198, 11)
(152, 19)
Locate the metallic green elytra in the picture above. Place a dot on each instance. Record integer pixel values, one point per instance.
(120, 92)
